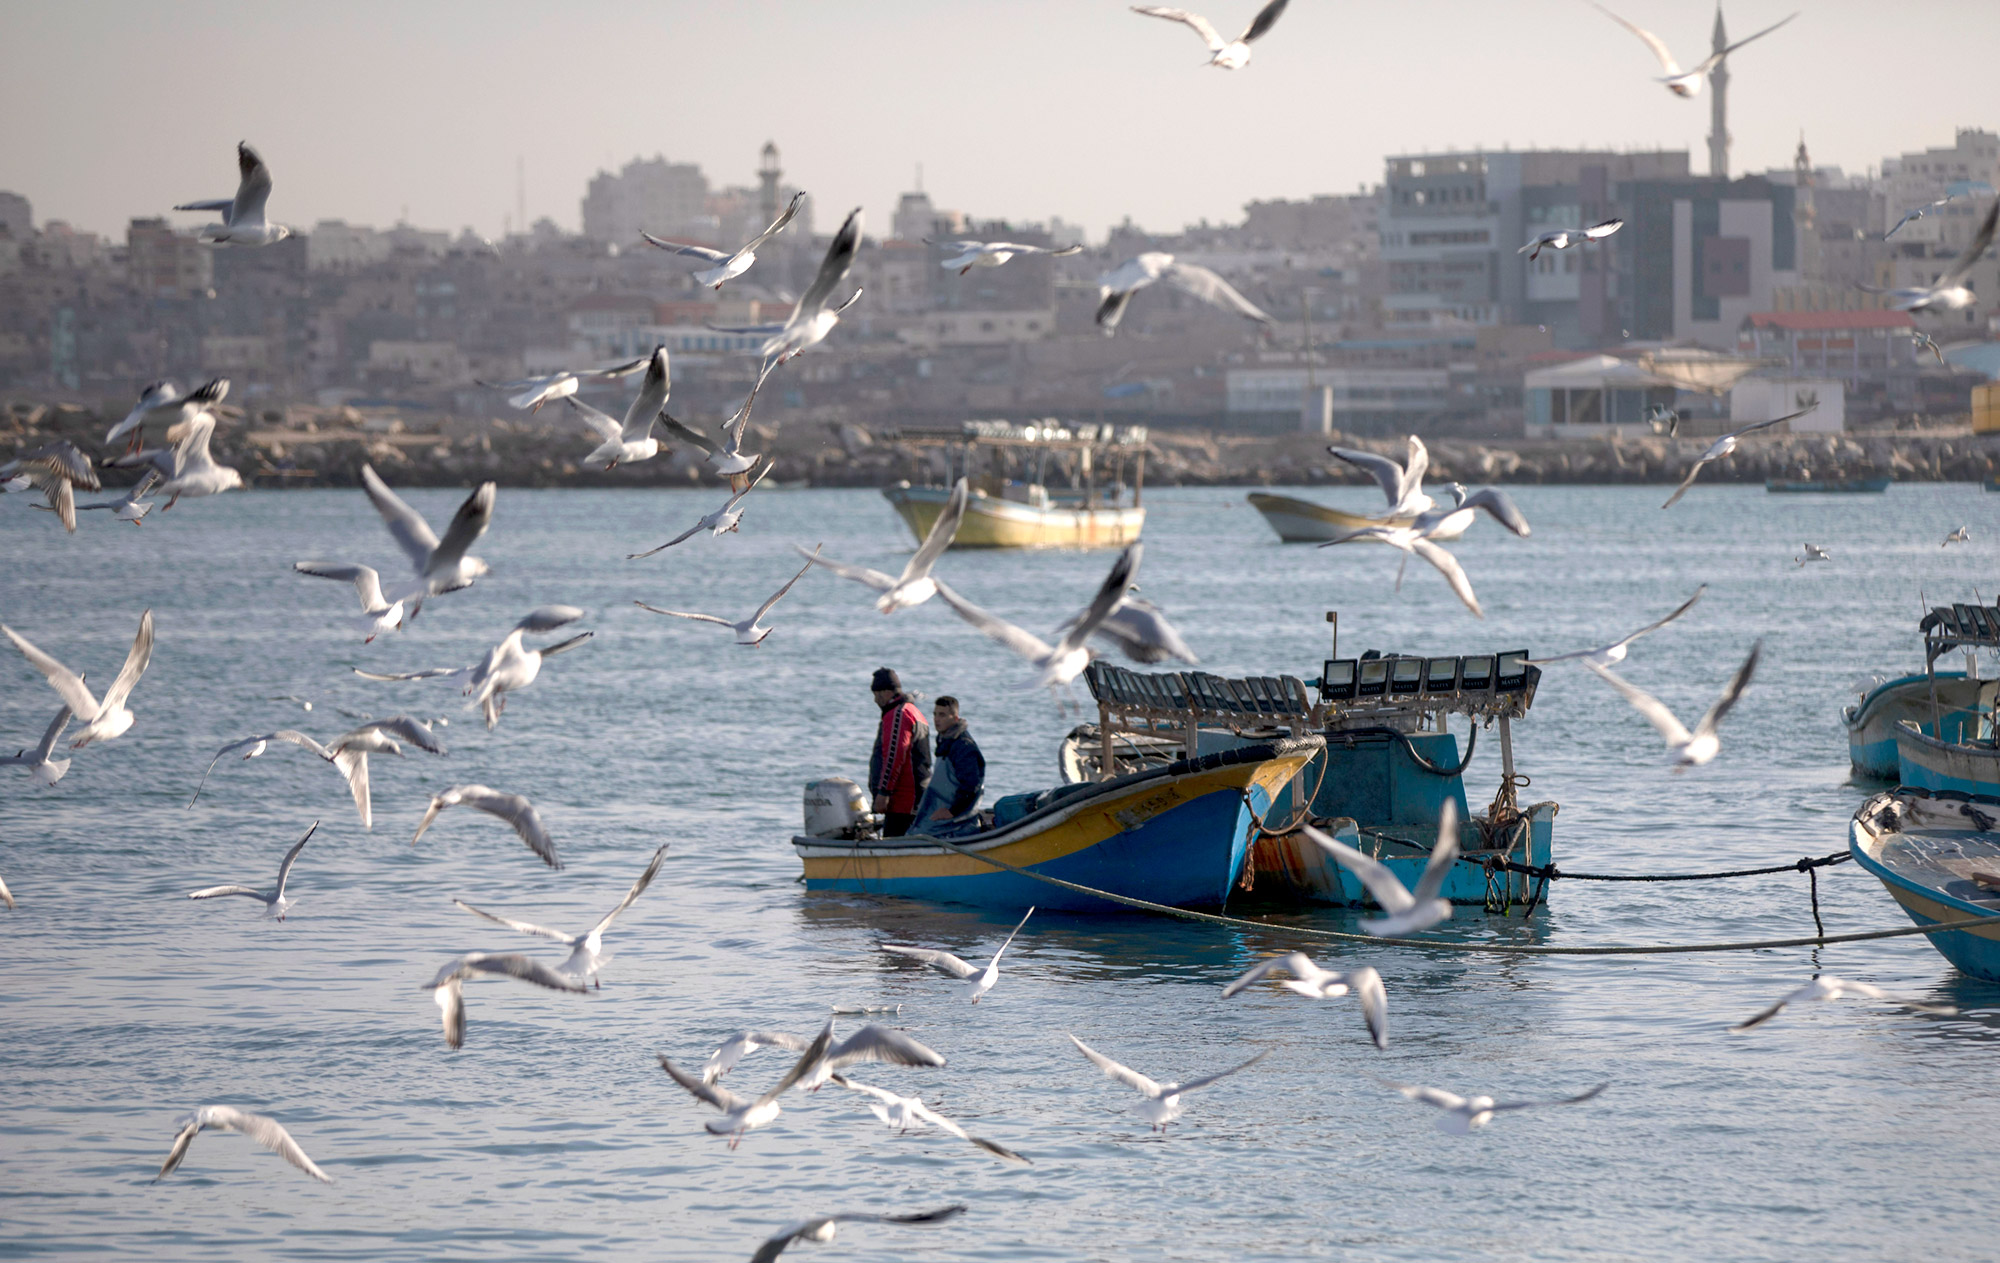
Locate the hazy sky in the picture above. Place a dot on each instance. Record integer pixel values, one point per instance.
(1025, 109)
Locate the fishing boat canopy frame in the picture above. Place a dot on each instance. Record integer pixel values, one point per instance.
(1089, 445)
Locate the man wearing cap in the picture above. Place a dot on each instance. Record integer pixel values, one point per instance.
(958, 777)
(900, 768)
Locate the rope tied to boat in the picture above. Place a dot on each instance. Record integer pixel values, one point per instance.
(1546, 873)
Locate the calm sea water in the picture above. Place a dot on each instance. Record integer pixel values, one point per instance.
(1844, 1131)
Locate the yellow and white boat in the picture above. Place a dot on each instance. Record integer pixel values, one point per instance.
(1303, 522)
(1012, 505)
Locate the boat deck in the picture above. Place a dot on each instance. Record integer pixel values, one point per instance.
(1944, 861)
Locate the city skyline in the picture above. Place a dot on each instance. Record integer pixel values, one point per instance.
(1087, 114)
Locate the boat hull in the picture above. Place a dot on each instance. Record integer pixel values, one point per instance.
(1291, 867)
(1930, 896)
(1925, 762)
(994, 523)
(1871, 723)
(1303, 522)
(1178, 836)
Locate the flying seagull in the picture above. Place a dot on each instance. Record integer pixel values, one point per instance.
(812, 316)
(1409, 911)
(1684, 83)
(1954, 191)
(348, 753)
(721, 522)
(905, 1112)
(1230, 54)
(1116, 287)
(6, 896)
(42, 769)
(1921, 342)
(265, 1131)
(1564, 238)
(514, 809)
(1139, 629)
(1063, 661)
(378, 613)
(823, 1228)
(447, 988)
(57, 469)
(274, 901)
(1949, 291)
(507, 667)
(243, 222)
(915, 585)
(1462, 1114)
(979, 981)
(1813, 552)
(727, 456)
(967, 255)
(1419, 536)
(1690, 749)
(1723, 447)
(587, 955)
(196, 472)
(1827, 988)
(870, 1043)
(1163, 1100)
(1314, 983)
(727, 267)
(1402, 483)
(541, 388)
(739, 1114)
(101, 720)
(1959, 536)
(132, 506)
(164, 399)
(632, 439)
(1614, 653)
(749, 631)
(1663, 420)
(441, 565)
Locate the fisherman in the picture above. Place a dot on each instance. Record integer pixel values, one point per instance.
(949, 807)
(900, 767)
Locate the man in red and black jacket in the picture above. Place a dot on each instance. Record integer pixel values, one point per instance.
(900, 767)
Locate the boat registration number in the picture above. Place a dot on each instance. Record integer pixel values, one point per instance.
(1146, 808)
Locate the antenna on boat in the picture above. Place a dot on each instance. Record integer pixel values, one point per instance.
(1333, 629)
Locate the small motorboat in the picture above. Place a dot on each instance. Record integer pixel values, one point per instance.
(1954, 749)
(1938, 855)
(1303, 522)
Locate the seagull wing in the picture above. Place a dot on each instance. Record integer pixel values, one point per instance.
(1291, 963)
(1124, 1074)
(1765, 425)
(1501, 1106)
(67, 683)
(699, 618)
(638, 888)
(52, 735)
(136, 659)
(234, 745)
(693, 252)
(1501, 506)
(777, 225)
(62, 498)
(1109, 594)
(1010, 938)
(811, 1057)
(1387, 473)
(939, 537)
(1646, 704)
(467, 525)
(514, 809)
(1027, 644)
(525, 927)
(403, 726)
(605, 426)
(190, 1127)
(1366, 983)
(879, 1043)
(1443, 855)
(1981, 240)
(1211, 288)
(944, 1124)
(681, 538)
(1667, 62)
(1429, 1096)
(1208, 33)
(253, 187)
(265, 1131)
(685, 435)
(1694, 470)
(935, 959)
(212, 892)
(711, 1093)
(524, 968)
(1763, 1015)
(1447, 565)
(367, 583)
(779, 595)
(412, 534)
(1709, 64)
(833, 268)
(1652, 627)
(1383, 884)
(1207, 1079)
(860, 574)
(430, 674)
(1267, 17)
(736, 1047)
(1715, 714)
(291, 857)
(651, 400)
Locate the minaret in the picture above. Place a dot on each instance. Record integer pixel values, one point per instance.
(1804, 219)
(767, 181)
(1718, 116)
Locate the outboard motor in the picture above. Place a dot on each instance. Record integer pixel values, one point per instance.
(835, 808)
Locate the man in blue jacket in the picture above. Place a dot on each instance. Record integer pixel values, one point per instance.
(958, 775)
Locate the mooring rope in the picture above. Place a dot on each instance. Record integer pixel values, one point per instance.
(1550, 871)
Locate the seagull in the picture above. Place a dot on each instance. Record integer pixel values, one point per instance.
(1690, 749)
(544, 388)
(727, 456)
(378, 613)
(196, 472)
(1825, 988)
(1419, 535)
(1402, 484)
(739, 1114)
(1163, 1100)
(727, 267)
(1063, 661)
(441, 566)
(514, 809)
(164, 398)
(721, 522)
(57, 469)
(274, 901)
(1683, 83)
(6, 896)
(243, 222)
(632, 439)
(101, 721)
(1314, 983)
(1951, 194)
(447, 988)
(132, 506)
(812, 319)
(979, 981)
(1462, 1114)
(915, 585)
(348, 753)
(1410, 911)
(42, 769)
(1140, 630)
(1959, 536)
(1226, 54)
(749, 631)
(507, 666)
(1664, 420)
(1723, 447)
(265, 1131)
(1921, 342)
(870, 1043)
(1116, 287)
(904, 1112)
(1564, 238)
(1949, 291)
(823, 1228)
(587, 955)
(1614, 653)
(1813, 553)
(967, 255)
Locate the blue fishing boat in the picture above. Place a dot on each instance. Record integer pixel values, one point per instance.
(1872, 721)
(1953, 748)
(1938, 855)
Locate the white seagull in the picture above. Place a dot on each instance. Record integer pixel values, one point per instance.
(57, 469)
(513, 808)
(1419, 536)
(1564, 238)
(1140, 630)
(1921, 342)
(196, 472)
(1828, 988)
(507, 667)
(1723, 447)
(740, 1114)
(274, 901)
(265, 1131)
(1163, 1100)
(632, 439)
(967, 255)
(915, 585)
(727, 267)
(812, 317)
(1309, 980)
(720, 522)
(378, 613)
(1063, 661)
(905, 1112)
(979, 981)
(6, 896)
(1690, 749)
(42, 769)
(1409, 911)
(587, 955)
(1684, 83)
(101, 720)
(1462, 1114)
(1813, 552)
(441, 565)
(749, 631)
(132, 506)
(1614, 653)
(1402, 484)
(1663, 420)
(348, 753)
(870, 1043)
(823, 1228)
(164, 398)
(541, 388)
(1959, 536)
(727, 456)
(1230, 54)
(243, 222)
(447, 988)
(1116, 287)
